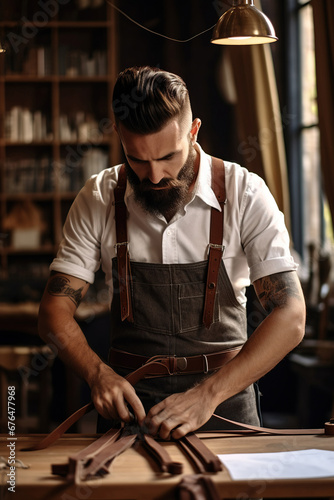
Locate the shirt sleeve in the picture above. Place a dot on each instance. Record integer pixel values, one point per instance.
(79, 252)
(264, 236)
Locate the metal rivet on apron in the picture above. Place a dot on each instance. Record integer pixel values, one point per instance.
(211, 285)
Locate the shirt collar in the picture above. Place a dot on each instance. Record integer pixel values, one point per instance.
(202, 188)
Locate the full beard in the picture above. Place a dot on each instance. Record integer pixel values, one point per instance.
(174, 192)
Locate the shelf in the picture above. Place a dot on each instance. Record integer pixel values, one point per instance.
(48, 196)
(57, 24)
(22, 79)
(55, 99)
(44, 249)
(6, 142)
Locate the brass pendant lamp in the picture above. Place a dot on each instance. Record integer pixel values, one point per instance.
(243, 24)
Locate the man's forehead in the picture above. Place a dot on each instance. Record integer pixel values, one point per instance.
(159, 144)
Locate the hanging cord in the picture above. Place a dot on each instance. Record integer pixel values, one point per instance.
(155, 32)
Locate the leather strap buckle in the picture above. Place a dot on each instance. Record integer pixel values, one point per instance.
(173, 364)
(124, 243)
(206, 364)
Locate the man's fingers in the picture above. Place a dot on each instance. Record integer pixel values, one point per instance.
(181, 431)
(132, 399)
(113, 403)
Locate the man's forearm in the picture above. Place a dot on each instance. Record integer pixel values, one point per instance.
(274, 338)
(61, 329)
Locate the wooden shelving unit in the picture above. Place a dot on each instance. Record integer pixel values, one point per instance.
(56, 82)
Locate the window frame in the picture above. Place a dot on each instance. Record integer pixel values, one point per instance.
(294, 133)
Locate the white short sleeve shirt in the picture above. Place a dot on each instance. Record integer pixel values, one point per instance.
(255, 237)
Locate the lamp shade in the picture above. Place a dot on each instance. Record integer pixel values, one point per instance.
(243, 24)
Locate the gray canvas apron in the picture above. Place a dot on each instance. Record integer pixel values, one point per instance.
(167, 307)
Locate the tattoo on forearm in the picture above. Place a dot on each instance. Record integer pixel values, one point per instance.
(59, 285)
(277, 289)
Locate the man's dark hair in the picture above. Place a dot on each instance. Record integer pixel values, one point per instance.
(146, 98)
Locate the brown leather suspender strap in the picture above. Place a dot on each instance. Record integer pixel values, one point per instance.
(122, 251)
(216, 248)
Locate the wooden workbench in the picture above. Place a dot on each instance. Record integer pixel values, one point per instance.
(135, 475)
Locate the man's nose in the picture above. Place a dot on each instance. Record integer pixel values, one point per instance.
(155, 174)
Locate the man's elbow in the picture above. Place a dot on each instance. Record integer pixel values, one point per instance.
(297, 321)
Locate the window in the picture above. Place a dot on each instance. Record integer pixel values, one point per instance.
(311, 223)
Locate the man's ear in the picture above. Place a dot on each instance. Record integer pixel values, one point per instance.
(195, 126)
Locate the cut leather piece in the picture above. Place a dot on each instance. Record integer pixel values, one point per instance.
(209, 460)
(162, 457)
(197, 487)
(99, 464)
(196, 461)
(267, 430)
(72, 469)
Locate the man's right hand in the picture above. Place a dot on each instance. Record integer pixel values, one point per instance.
(111, 393)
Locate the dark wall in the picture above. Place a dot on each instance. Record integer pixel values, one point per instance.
(197, 61)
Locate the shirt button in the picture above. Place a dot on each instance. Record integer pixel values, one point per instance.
(169, 232)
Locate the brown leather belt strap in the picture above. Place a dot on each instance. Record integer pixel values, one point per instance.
(216, 248)
(122, 251)
(175, 365)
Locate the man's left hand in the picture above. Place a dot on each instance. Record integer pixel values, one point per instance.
(180, 413)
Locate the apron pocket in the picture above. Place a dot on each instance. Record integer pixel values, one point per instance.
(191, 306)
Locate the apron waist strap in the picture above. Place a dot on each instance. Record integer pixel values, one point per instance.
(176, 365)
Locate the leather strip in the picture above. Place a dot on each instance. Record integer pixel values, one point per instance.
(161, 455)
(100, 462)
(192, 456)
(59, 431)
(123, 259)
(197, 487)
(216, 240)
(268, 430)
(175, 365)
(72, 469)
(72, 419)
(133, 378)
(210, 461)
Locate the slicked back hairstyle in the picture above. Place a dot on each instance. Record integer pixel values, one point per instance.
(146, 98)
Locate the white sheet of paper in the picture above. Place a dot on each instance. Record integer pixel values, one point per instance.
(280, 465)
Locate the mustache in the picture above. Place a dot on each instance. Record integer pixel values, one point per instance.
(146, 185)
